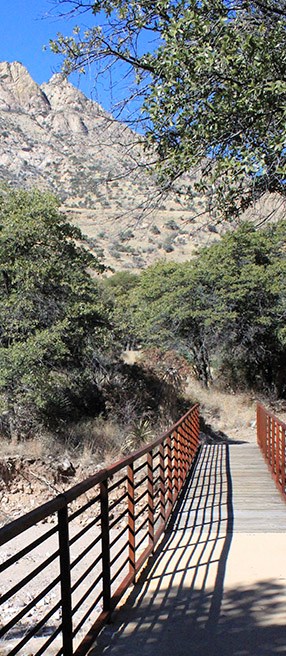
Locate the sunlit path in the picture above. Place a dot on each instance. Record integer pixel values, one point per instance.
(217, 583)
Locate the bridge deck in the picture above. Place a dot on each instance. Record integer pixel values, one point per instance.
(217, 583)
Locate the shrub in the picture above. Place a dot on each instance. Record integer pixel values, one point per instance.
(171, 224)
(155, 230)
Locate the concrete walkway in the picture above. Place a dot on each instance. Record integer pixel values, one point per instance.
(216, 585)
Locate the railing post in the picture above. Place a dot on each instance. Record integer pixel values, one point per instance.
(264, 430)
(179, 450)
(273, 445)
(185, 450)
(188, 444)
(162, 479)
(268, 437)
(105, 540)
(193, 432)
(277, 452)
(65, 576)
(150, 492)
(197, 421)
(131, 519)
(175, 466)
(169, 475)
(283, 481)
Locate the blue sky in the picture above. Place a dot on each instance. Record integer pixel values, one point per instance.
(25, 27)
(24, 32)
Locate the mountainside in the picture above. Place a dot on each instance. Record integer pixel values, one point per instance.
(53, 137)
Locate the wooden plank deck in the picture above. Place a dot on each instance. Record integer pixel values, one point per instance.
(217, 583)
(257, 502)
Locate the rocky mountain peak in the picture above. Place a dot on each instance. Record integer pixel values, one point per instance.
(53, 137)
(62, 95)
(18, 91)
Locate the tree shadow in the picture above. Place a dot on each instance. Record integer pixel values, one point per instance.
(211, 436)
(179, 606)
(181, 623)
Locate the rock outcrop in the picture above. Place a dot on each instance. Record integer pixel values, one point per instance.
(54, 137)
(19, 92)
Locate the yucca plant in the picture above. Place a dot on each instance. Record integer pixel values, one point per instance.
(140, 432)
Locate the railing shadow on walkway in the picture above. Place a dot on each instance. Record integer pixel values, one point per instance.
(176, 606)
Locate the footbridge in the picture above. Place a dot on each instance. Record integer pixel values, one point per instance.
(177, 549)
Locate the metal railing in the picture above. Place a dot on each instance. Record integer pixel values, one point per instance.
(271, 439)
(82, 550)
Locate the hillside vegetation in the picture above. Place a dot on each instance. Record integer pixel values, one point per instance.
(224, 310)
(206, 297)
(64, 326)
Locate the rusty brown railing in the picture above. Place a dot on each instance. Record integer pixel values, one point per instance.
(271, 439)
(66, 564)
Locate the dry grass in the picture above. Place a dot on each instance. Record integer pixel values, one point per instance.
(232, 414)
(85, 440)
(38, 447)
(94, 439)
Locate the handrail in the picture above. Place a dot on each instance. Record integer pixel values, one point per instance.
(271, 433)
(100, 533)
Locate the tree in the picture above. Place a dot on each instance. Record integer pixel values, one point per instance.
(51, 315)
(118, 292)
(210, 76)
(166, 309)
(226, 309)
(244, 277)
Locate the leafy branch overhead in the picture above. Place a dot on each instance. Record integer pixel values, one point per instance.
(211, 79)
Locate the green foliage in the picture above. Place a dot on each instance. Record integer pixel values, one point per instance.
(117, 290)
(226, 307)
(121, 282)
(211, 85)
(51, 315)
(217, 98)
(246, 278)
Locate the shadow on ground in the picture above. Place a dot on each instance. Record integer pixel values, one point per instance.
(179, 606)
(210, 436)
(181, 623)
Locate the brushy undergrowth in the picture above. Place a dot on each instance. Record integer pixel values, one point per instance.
(138, 402)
